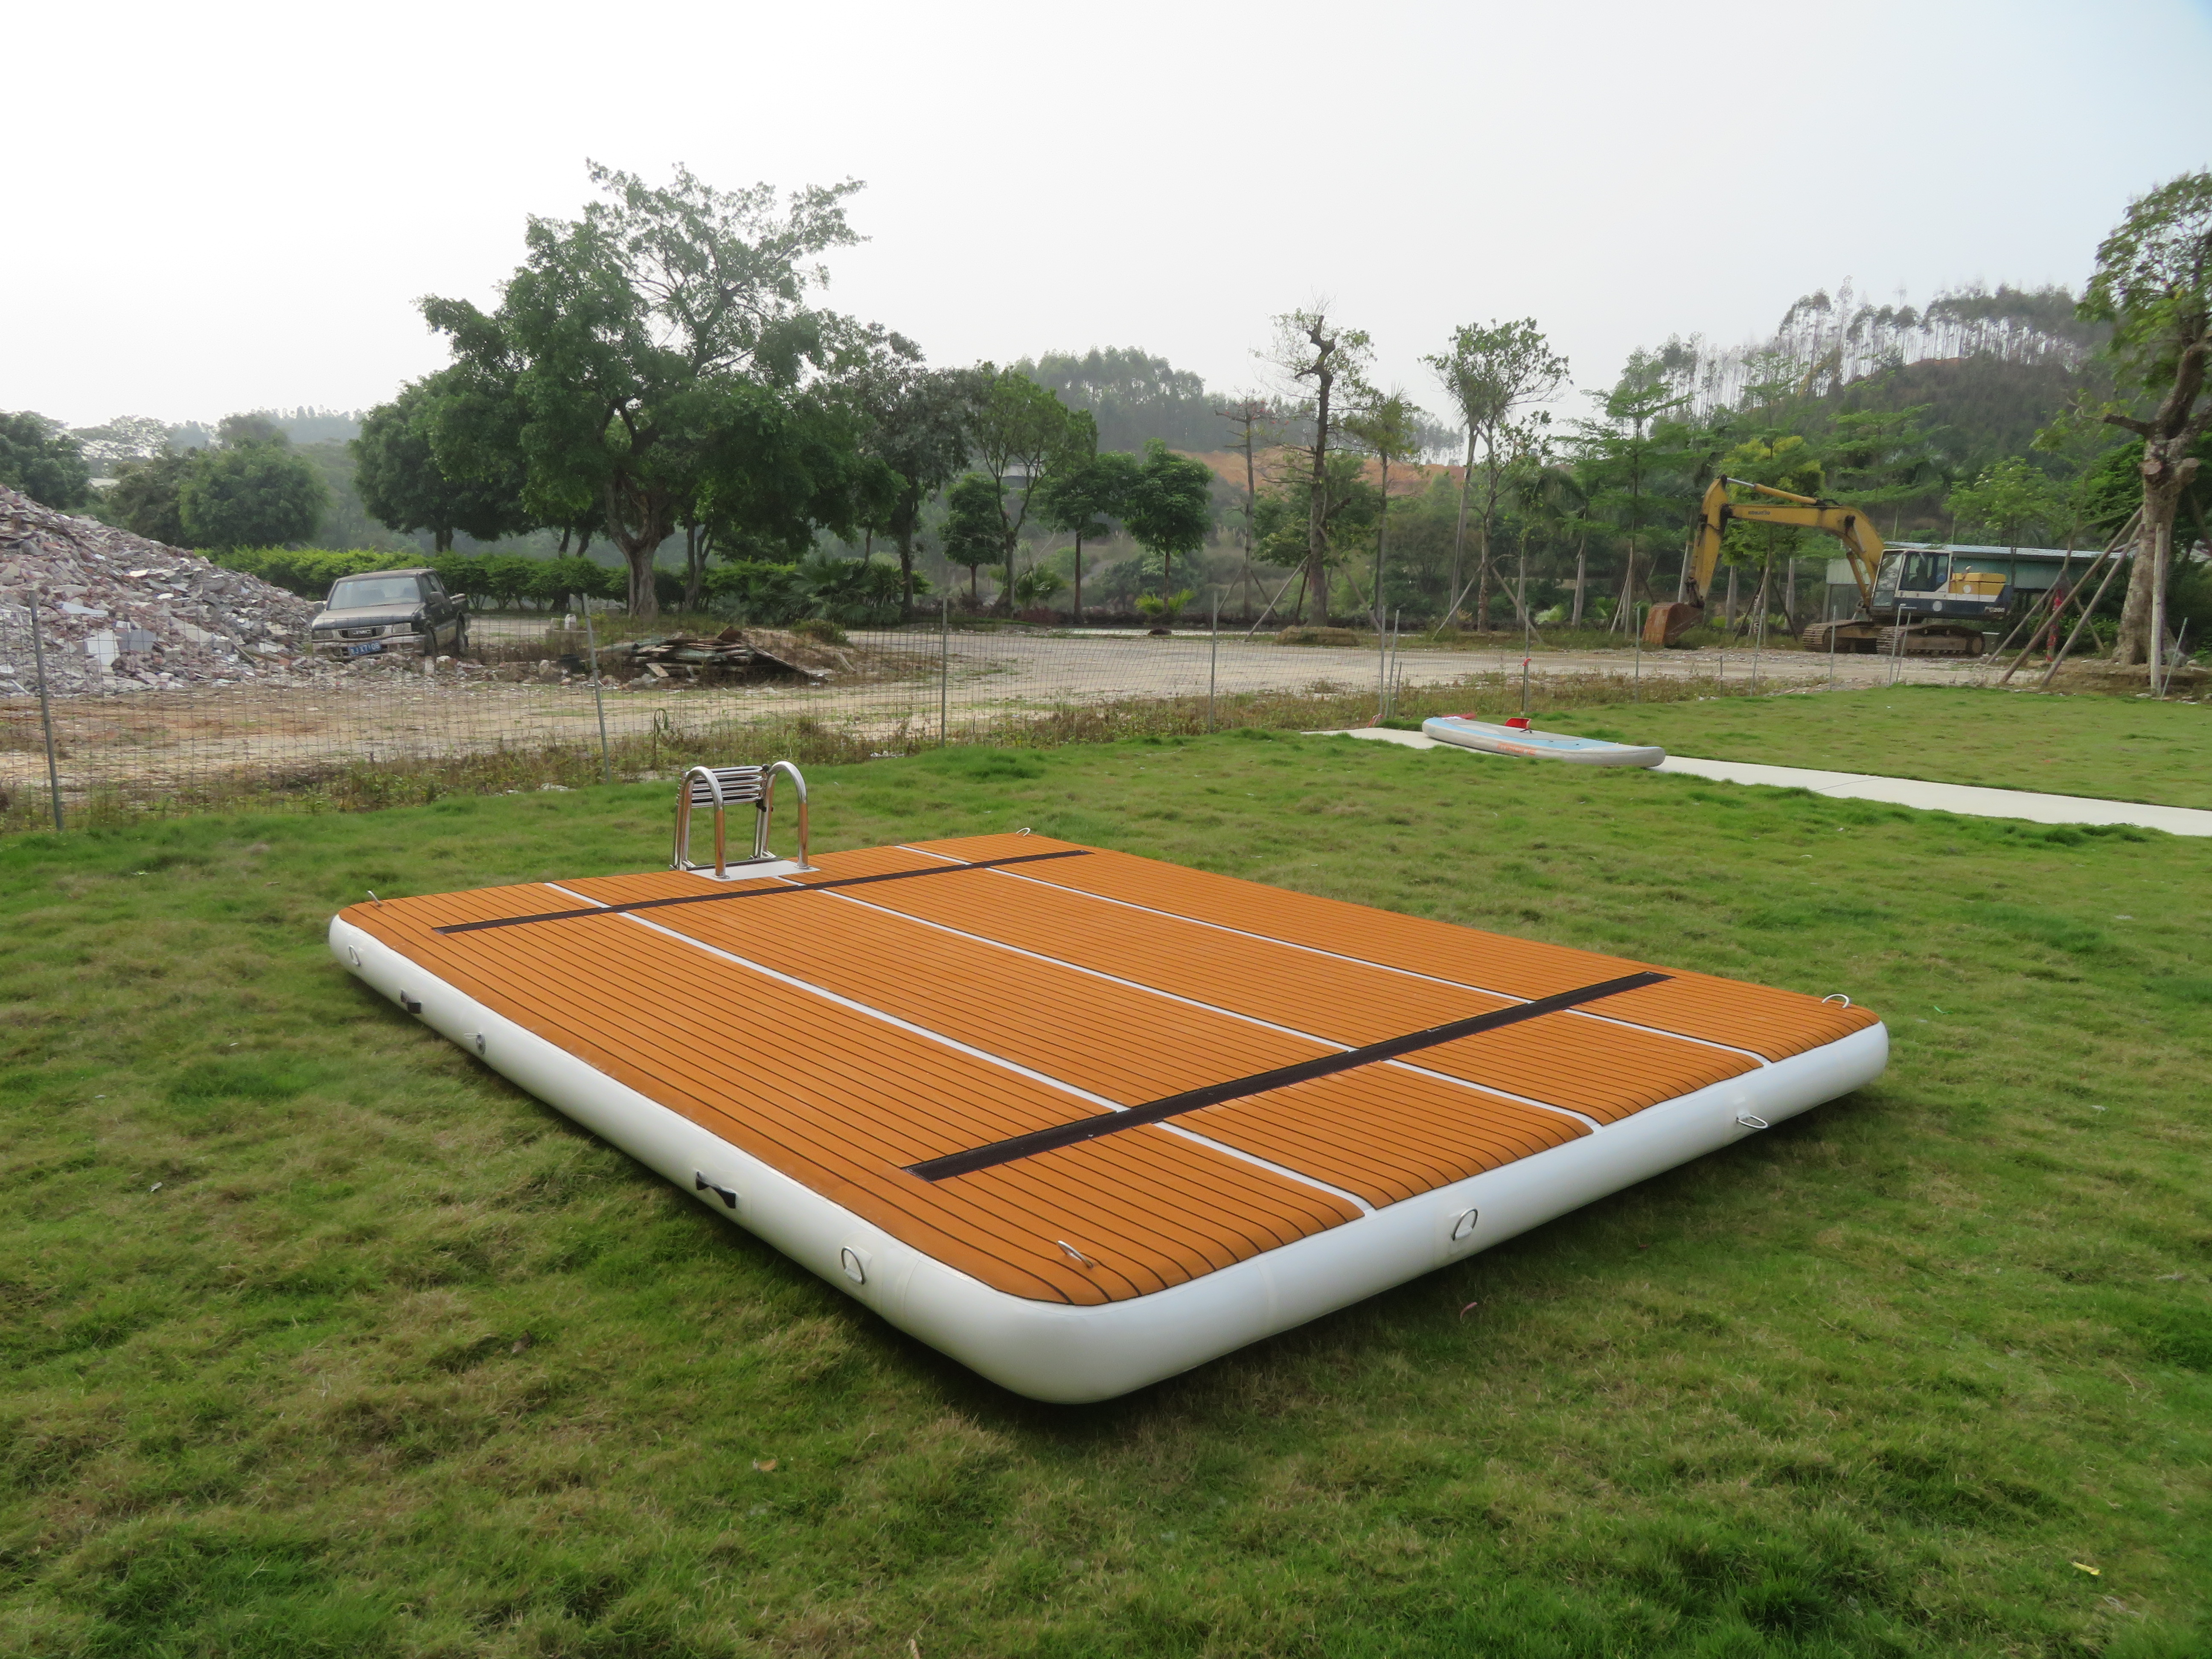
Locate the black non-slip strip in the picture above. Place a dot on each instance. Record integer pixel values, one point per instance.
(1107, 1123)
(758, 892)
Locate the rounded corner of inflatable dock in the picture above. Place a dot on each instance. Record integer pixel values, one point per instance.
(910, 1069)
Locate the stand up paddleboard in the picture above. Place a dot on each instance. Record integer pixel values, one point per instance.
(1469, 733)
(1079, 1119)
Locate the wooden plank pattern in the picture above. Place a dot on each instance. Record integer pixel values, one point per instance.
(1771, 1023)
(841, 1036)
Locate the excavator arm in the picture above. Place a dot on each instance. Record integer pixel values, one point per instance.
(1862, 546)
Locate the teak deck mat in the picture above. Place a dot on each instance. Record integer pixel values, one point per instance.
(1080, 1076)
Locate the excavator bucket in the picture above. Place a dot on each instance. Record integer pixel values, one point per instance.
(1667, 623)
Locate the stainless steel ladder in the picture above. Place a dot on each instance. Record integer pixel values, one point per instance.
(722, 788)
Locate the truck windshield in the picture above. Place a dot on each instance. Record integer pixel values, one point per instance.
(359, 591)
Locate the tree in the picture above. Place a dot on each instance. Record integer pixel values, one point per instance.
(236, 431)
(1019, 434)
(1169, 507)
(1390, 426)
(1305, 350)
(1252, 417)
(1492, 375)
(637, 339)
(257, 495)
(1132, 396)
(2008, 499)
(125, 437)
(974, 528)
(401, 483)
(145, 499)
(777, 466)
(1079, 501)
(917, 426)
(1347, 503)
(38, 458)
(1622, 452)
(2154, 285)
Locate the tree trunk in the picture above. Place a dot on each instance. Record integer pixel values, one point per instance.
(1728, 612)
(1317, 582)
(694, 567)
(1482, 577)
(1582, 573)
(906, 575)
(2167, 470)
(1459, 528)
(1382, 541)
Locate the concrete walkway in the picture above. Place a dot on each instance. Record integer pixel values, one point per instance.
(1966, 800)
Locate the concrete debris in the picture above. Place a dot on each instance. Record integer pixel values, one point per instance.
(740, 650)
(120, 613)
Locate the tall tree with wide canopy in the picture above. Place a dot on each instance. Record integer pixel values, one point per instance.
(1334, 364)
(406, 489)
(2154, 285)
(1019, 434)
(640, 338)
(1496, 377)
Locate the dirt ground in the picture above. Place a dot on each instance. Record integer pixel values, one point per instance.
(149, 741)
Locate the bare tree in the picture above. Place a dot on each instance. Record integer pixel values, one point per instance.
(1305, 350)
(1491, 376)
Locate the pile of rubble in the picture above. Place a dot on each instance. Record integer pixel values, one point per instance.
(120, 613)
(735, 652)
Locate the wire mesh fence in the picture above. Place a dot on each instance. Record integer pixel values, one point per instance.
(527, 712)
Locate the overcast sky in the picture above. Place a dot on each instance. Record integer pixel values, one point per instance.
(227, 206)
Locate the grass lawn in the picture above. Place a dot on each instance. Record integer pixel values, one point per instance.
(320, 1339)
(2117, 748)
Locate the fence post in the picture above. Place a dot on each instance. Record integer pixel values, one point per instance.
(944, 676)
(1213, 660)
(1635, 691)
(598, 697)
(46, 711)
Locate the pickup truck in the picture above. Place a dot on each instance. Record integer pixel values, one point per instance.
(390, 610)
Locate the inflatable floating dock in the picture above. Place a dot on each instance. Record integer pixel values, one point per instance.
(1079, 1119)
(1469, 733)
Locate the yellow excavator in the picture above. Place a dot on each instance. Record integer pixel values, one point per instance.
(1910, 601)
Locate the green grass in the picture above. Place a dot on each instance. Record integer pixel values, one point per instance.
(2118, 748)
(318, 1337)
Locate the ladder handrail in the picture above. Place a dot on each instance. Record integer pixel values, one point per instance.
(768, 808)
(724, 787)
